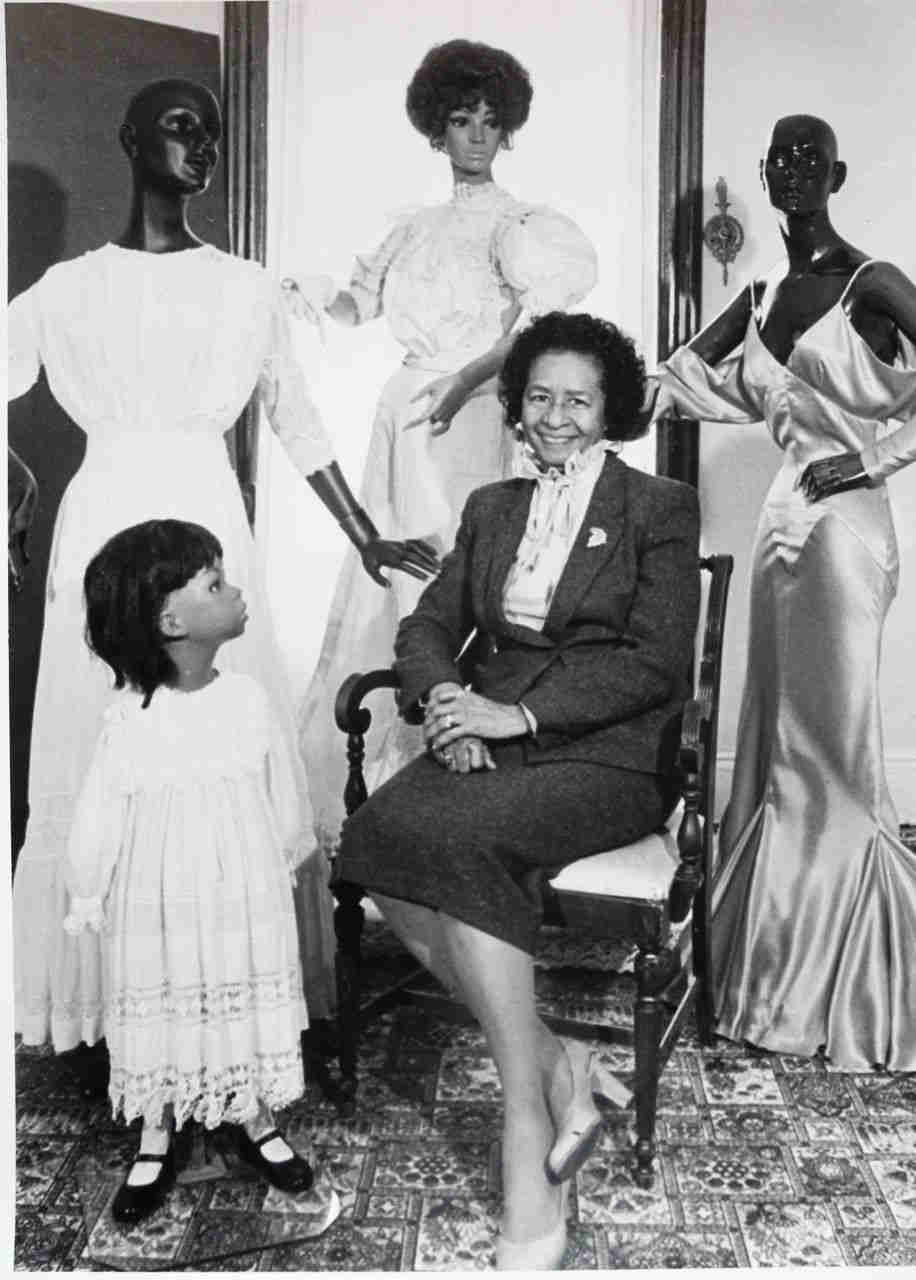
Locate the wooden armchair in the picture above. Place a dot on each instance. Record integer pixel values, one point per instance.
(642, 892)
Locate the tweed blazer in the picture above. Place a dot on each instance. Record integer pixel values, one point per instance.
(608, 676)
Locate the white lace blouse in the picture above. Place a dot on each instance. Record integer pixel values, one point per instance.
(445, 276)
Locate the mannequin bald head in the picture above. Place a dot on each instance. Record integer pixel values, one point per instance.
(154, 98)
(800, 170)
(170, 133)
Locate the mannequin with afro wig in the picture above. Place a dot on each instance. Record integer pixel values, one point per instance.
(462, 74)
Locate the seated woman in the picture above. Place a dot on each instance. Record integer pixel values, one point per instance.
(582, 576)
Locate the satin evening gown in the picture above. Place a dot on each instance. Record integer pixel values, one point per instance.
(815, 911)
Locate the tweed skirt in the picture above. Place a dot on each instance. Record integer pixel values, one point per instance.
(478, 846)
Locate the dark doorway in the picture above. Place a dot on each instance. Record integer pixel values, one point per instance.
(70, 73)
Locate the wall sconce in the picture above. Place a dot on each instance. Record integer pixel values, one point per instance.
(723, 235)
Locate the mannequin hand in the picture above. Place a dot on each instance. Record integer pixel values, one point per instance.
(415, 557)
(19, 523)
(453, 714)
(832, 475)
(470, 755)
(17, 557)
(308, 297)
(446, 395)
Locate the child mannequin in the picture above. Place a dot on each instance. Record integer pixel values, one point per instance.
(180, 853)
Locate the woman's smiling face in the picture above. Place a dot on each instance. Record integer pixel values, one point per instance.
(562, 406)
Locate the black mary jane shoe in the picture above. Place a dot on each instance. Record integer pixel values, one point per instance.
(291, 1175)
(132, 1204)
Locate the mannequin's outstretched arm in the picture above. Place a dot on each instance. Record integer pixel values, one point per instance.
(413, 556)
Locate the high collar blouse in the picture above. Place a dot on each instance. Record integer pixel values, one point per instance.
(559, 501)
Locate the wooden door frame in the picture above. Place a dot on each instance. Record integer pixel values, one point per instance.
(245, 36)
(680, 204)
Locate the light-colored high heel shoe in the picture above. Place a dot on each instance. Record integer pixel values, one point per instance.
(543, 1254)
(579, 1128)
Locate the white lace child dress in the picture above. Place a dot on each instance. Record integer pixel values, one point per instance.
(181, 852)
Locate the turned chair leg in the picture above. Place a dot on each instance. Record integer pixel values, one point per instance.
(348, 926)
(702, 969)
(648, 1018)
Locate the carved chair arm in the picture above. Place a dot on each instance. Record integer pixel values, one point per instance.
(353, 719)
(349, 714)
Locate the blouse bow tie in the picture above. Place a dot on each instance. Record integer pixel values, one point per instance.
(551, 513)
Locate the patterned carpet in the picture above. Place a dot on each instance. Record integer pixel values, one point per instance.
(764, 1161)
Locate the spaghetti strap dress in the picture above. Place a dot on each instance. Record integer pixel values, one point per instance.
(153, 356)
(815, 909)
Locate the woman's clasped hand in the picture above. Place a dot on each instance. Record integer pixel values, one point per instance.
(457, 723)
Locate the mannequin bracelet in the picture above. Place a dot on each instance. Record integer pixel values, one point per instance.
(358, 527)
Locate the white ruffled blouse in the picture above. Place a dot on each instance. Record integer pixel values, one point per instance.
(559, 500)
(446, 275)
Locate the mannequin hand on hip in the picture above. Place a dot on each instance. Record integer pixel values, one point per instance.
(832, 475)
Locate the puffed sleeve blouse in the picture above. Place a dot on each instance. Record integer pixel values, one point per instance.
(445, 276)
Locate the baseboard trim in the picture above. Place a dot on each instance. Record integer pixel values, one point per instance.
(901, 778)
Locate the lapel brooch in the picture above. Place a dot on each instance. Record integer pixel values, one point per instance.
(596, 537)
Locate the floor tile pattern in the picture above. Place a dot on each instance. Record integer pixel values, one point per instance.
(763, 1161)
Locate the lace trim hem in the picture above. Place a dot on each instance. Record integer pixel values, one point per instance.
(228, 1096)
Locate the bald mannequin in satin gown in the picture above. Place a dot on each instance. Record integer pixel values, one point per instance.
(816, 907)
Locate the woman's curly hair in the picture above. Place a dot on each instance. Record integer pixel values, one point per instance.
(623, 374)
(126, 585)
(463, 73)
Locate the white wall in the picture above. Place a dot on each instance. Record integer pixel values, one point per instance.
(851, 62)
(365, 162)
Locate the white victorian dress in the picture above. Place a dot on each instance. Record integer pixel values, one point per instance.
(153, 356)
